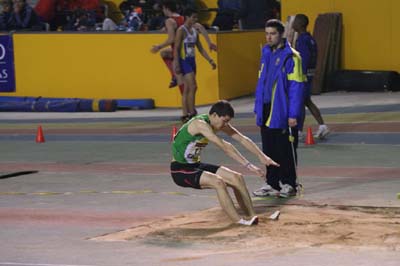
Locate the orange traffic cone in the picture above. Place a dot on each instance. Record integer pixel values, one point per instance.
(39, 135)
(173, 133)
(309, 137)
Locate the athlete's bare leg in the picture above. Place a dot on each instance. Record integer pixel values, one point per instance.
(166, 53)
(167, 57)
(210, 180)
(190, 90)
(236, 181)
(185, 96)
(314, 111)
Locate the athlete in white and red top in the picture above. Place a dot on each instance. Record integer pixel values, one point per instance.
(173, 22)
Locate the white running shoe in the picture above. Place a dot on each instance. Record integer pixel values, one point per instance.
(286, 191)
(266, 191)
(252, 221)
(322, 132)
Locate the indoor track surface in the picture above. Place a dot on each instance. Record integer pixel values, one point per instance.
(98, 192)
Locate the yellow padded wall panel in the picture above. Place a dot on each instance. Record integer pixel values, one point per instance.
(120, 66)
(102, 66)
(371, 30)
(311, 8)
(239, 56)
(395, 35)
(363, 23)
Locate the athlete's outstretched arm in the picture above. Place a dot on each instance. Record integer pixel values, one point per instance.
(248, 144)
(205, 54)
(203, 31)
(201, 127)
(170, 26)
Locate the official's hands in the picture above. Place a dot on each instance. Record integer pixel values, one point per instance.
(292, 122)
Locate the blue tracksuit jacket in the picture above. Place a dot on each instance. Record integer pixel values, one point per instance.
(280, 84)
(307, 47)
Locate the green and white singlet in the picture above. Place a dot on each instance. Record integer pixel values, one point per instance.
(186, 148)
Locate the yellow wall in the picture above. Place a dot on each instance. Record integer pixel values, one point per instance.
(100, 65)
(370, 31)
(239, 56)
(120, 66)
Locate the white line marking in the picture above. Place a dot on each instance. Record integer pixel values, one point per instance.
(38, 264)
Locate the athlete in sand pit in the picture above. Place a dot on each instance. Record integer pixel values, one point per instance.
(188, 171)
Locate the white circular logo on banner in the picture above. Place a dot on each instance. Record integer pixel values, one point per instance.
(2, 52)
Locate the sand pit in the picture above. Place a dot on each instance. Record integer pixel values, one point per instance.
(298, 226)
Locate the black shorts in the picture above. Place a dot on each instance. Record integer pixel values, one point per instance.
(188, 174)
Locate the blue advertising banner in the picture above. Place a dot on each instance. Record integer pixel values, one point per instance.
(7, 75)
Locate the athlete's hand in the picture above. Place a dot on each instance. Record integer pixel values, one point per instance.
(176, 67)
(213, 64)
(264, 159)
(155, 49)
(256, 170)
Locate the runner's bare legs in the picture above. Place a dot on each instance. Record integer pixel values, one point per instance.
(210, 180)
(219, 181)
(314, 111)
(190, 90)
(236, 181)
(167, 54)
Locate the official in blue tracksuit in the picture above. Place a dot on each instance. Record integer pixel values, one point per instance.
(278, 106)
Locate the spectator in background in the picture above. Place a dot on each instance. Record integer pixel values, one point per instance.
(307, 47)
(24, 17)
(6, 15)
(133, 18)
(227, 14)
(254, 13)
(60, 13)
(83, 20)
(157, 19)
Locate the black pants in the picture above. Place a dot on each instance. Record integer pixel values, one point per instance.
(276, 145)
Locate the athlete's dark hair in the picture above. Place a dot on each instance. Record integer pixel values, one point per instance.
(170, 4)
(277, 24)
(222, 108)
(303, 20)
(189, 11)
